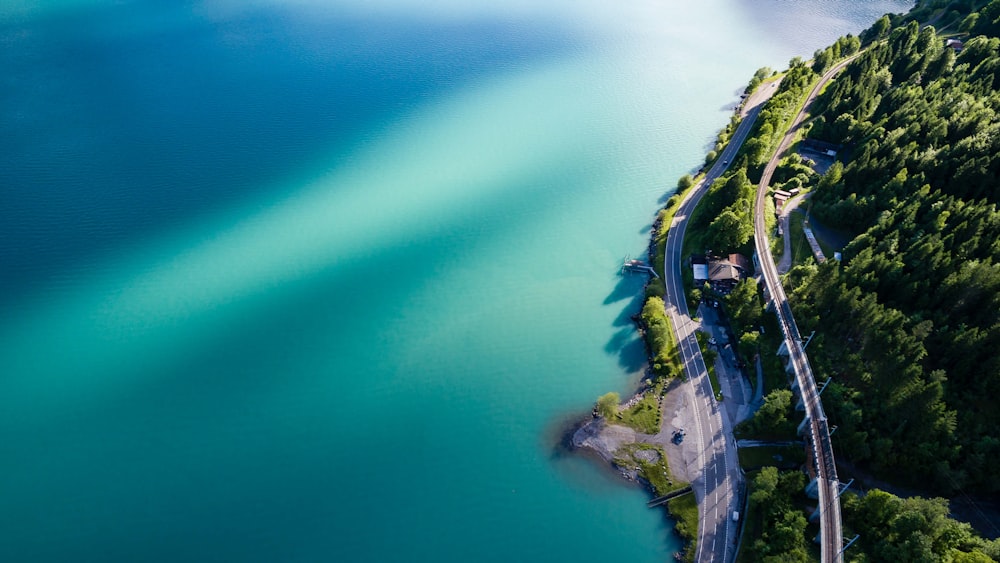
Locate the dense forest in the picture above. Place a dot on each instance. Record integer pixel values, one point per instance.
(909, 322)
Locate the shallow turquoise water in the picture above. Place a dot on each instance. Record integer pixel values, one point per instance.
(315, 281)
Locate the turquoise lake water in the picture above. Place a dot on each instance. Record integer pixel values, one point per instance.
(325, 281)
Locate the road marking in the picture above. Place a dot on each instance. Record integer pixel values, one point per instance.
(690, 351)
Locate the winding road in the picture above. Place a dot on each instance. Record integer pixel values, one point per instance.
(717, 465)
(718, 477)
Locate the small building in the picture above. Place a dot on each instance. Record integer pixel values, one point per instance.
(742, 263)
(699, 265)
(780, 197)
(955, 44)
(724, 273)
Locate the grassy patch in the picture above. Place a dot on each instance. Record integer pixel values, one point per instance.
(801, 251)
(645, 415)
(777, 244)
(782, 457)
(657, 473)
(684, 509)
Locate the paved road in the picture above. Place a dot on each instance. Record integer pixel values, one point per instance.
(717, 465)
(735, 387)
(822, 463)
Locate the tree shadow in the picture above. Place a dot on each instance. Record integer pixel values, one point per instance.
(634, 307)
(626, 342)
(628, 286)
(632, 355)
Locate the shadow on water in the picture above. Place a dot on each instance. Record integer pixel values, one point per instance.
(629, 285)
(113, 135)
(632, 356)
(619, 340)
(625, 342)
(634, 307)
(670, 192)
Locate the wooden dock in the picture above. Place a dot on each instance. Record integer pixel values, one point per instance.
(638, 266)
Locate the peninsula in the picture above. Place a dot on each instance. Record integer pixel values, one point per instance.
(832, 127)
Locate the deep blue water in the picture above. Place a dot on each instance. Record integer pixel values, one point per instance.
(325, 280)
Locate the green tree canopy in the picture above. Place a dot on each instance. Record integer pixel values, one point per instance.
(607, 404)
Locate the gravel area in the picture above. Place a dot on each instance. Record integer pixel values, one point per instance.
(603, 438)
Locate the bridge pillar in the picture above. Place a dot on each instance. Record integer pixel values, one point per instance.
(812, 490)
(814, 517)
(783, 349)
(804, 426)
(800, 405)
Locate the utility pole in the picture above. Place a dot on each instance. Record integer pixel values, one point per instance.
(849, 544)
(825, 383)
(845, 487)
(808, 340)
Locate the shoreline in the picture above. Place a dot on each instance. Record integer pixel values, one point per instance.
(678, 408)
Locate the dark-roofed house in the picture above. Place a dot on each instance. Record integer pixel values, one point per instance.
(743, 263)
(723, 274)
(723, 271)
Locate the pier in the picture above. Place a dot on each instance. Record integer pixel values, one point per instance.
(638, 266)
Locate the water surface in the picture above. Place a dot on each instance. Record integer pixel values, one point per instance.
(323, 280)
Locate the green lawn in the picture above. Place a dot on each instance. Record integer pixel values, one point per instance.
(684, 509)
(644, 416)
(657, 473)
(801, 252)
